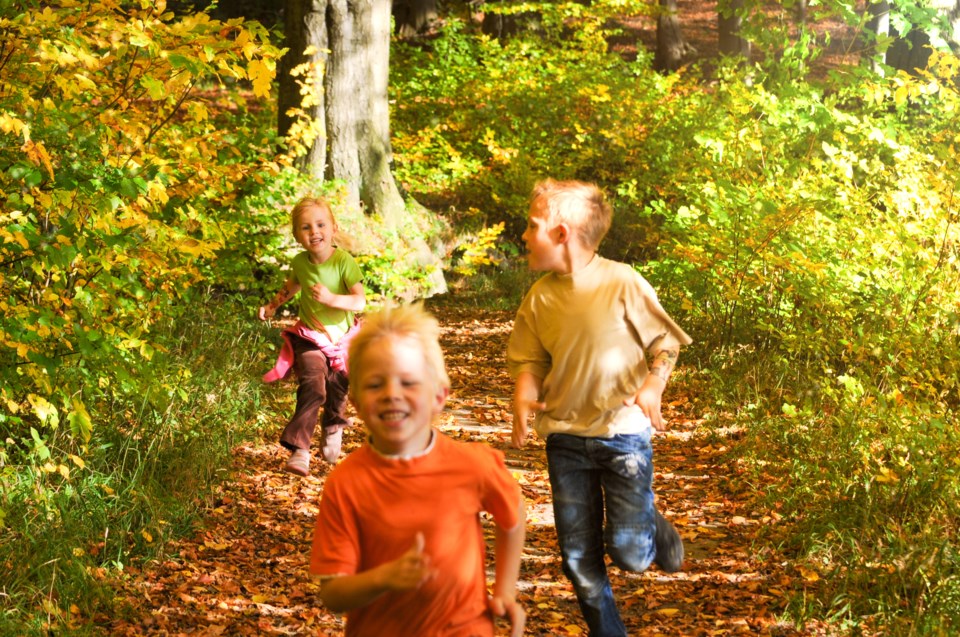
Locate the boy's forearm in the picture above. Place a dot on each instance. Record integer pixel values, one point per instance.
(528, 388)
(346, 592)
(664, 362)
(509, 551)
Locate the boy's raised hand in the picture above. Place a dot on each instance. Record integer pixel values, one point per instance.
(411, 569)
(512, 610)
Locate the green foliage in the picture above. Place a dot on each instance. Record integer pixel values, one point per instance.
(804, 233)
(119, 171)
(123, 161)
(149, 467)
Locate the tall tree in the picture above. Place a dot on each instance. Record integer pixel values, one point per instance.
(729, 25)
(672, 47)
(342, 48)
(410, 17)
(914, 30)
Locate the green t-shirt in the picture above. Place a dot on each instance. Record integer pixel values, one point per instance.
(338, 273)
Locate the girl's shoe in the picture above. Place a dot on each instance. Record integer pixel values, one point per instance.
(299, 462)
(331, 440)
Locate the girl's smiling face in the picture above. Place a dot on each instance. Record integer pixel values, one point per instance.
(397, 395)
(314, 230)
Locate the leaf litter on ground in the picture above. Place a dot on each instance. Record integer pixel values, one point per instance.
(244, 570)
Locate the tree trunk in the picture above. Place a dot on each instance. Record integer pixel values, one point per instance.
(671, 45)
(911, 49)
(800, 11)
(729, 22)
(351, 65)
(413, 16)
(304, 25)
(378, 189)
(353, 112)
(879, 26)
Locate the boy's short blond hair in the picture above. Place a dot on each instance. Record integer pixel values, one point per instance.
(581, 205)
(305, 204)
(410, 321)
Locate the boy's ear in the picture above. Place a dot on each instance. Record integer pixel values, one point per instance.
(563, 232)
(441, 398)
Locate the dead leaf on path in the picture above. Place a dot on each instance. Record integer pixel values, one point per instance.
(244, 571)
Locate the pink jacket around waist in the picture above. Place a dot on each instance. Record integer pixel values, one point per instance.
(336, 353)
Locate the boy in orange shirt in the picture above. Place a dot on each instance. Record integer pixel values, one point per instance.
(398, 543)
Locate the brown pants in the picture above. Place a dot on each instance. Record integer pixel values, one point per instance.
(320, 386)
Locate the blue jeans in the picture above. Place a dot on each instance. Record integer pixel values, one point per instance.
(588, 476)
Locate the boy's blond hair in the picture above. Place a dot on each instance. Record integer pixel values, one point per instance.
(581, 205)
(410, 321)
(305, 204)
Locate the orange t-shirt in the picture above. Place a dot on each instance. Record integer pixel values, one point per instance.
(371, 510)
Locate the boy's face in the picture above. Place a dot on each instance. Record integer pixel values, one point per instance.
(544, 251)
(314, 231)
(396, 395)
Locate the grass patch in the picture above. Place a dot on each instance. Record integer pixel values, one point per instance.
(152, 461)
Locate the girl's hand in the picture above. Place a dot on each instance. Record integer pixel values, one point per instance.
(321, 294)
(265, 312)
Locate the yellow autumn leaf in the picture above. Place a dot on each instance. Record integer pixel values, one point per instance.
(886, 476)
(10, 124)
(262, 77)
(43, 410)
(85, 81)
(146, 535)
(197, 248)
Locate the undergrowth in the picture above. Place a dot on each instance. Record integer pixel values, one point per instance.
(144, 476)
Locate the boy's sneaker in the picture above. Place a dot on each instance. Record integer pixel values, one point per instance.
(669, 546)
(299, 462)
(331, 440)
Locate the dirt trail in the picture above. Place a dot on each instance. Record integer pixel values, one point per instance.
(244, 572)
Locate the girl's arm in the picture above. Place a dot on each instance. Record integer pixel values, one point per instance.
(346, 592)
(353, 301)
(508, 548)
(287, 292)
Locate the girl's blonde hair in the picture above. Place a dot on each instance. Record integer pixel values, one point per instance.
(410, 321)
(581, 205)
(305, 204)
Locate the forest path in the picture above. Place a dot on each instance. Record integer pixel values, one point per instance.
(244, 571)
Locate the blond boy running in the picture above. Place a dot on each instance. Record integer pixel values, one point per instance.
(399, 544)
(577, 352)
